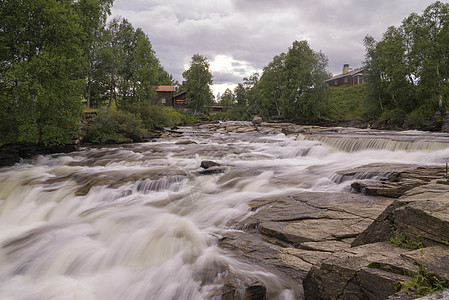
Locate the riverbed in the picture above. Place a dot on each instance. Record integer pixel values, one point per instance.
(144, 221)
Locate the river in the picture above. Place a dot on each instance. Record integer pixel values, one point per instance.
(140, 221)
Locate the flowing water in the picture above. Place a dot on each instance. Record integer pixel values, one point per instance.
(140, 222)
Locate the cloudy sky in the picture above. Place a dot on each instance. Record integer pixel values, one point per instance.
(240, 37)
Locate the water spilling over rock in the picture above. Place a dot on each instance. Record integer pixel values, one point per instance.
(150, 221)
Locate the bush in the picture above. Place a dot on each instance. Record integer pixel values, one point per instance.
(235, 113)
(158, 116)
(347, 103)
(417, 119)
(395, 117)
(188, 119)
(111, 126)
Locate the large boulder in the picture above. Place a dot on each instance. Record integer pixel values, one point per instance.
(359, 273)
(421, 215)
(373, 268)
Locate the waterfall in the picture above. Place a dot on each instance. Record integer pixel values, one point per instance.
(356, 143)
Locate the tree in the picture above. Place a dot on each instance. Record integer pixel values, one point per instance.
(270, 86)
(127, 68)
(227, 100)
(304, 91)
(197, 83)
(41, 83)
(93, 15)
(408, 70)
(292, 85)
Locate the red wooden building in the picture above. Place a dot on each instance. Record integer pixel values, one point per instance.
(348, 77)
(165, 94)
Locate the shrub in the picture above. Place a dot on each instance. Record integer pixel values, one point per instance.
(417, 119)
(111, 126)
(395, 117)
(158, 116)
(426, 283)
(347, 103)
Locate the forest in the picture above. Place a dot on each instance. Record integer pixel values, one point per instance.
(58, 58)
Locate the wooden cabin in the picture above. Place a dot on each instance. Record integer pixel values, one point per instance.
(180, 101)
(347, 78)
(165, 95)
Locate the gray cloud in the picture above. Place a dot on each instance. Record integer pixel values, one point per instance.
(252, 32)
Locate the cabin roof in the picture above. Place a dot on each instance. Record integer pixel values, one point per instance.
(349, 74)
(165, 88)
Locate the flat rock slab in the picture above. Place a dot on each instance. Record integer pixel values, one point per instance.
(390, 180)
(289, 234)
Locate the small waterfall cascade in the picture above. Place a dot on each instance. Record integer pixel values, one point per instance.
(408, 141)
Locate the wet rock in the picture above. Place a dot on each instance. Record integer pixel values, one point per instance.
(391, 180)
(256, 120)
(256, 291)
(206, 164)
(212, 171)
(290, 234)
(185, 142)
(435, 260)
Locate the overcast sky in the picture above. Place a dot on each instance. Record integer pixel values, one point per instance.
(240, 37)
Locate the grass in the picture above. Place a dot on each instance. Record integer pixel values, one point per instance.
(401, 240)
(425, 283)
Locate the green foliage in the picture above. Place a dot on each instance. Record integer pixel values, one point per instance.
(417, 119)
(197, 83)
(347, 103)
(111, 126)
(409, 68)
(291, 86)
(188, 119)
(401, 240)
(125, 69)
(159, 116)
(41, 68)
(227, 100)
(395, 117)
(425, 283)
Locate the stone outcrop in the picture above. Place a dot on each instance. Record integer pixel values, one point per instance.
(390, 180)
(288, 235)
(337, 244)
(420, 218)
(422, 213)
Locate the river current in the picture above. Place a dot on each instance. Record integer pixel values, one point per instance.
(141, 221)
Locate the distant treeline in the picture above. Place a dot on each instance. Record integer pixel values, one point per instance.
(59, 57)
(407, 80)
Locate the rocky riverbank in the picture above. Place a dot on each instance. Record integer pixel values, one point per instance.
(338, 244)
(367, 243)
(372, 243)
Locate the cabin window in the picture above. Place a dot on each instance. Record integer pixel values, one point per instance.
(346, 79)
(164, 101)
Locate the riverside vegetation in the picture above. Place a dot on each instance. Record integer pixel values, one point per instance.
(58, 57)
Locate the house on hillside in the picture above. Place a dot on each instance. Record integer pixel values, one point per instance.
(165, 95)
(348, 77)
